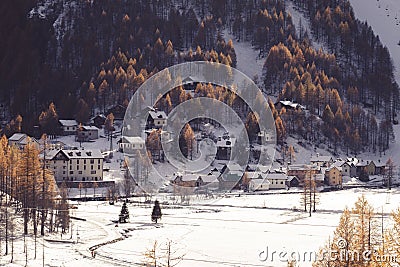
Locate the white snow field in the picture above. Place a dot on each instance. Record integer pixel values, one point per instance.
(225, 231)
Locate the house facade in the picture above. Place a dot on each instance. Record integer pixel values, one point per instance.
(224, 147)
(87, 133)
(130, 144)
(68, 127)
(20, 140)
(156, 119)
(322, 161)
(277, 180)
(231, 176)
(75, 165)
(333, 176)
(301, 170)
(258, 185)
(365, 166)
(349, 169)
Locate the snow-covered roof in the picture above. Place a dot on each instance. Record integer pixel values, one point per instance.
(379, 164)
(233, 166)
(194, 177)
(258, 167)
(68, 123)
(291, 177)
(98, 116)
(90, 128)
(302, 167)
(256, 175)
(17, 137)
(291, 104)
(353, 161)
(133, 139)
(76, 153)
(157, 114)
(276, 176)
(21, 139)
(363, 163)
(209, 178)
(319, 158)
(338, 163)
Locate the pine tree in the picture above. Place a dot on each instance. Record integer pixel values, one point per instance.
(156, 214)
(124, 214)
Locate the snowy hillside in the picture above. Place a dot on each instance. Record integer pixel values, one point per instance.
(384, 18)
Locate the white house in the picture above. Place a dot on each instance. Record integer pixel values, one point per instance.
(156, 119)
(129, 144)
(259, 185)
(277, 180)
(20, 140)
(75, 165)
(68, 127)
(322, 161)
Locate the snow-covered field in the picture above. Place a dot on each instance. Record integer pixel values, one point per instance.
(224, 231)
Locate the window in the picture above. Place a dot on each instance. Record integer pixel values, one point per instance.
(95, 178)
(70, 167)
(64, 167)
(92, 161)
(281, 182)
(99, 161)
(92, 172)
(71, 172)
(77, 161)
(84, 161)
(63, 172)
(80, 172)
(98, 167)
(84, 167)
(77, 167)
(91, 167)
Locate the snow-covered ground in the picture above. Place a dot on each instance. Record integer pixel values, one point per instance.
(224, 231)
(248, 60)
(384, 18)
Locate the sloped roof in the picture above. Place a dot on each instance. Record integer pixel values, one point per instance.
(17, 137)
(319, 158)
(90, 128)
(233, 166)
(256, 175)
(76, 153)
(68, 123)
(276, 176)
(157, 114)
(133, 139)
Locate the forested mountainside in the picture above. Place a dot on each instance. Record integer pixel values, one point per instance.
(85, 56)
